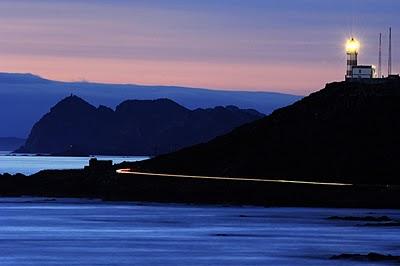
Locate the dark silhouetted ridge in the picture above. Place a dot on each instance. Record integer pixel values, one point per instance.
(136, 127)
(346, 132)
(73, 104)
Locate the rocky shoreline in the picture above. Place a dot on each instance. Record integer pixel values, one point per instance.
(100, 180)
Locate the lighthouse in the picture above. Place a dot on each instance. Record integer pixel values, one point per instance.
(352, 47)
(354, 71)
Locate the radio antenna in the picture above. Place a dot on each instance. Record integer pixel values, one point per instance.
(380, 56)
(390, 53)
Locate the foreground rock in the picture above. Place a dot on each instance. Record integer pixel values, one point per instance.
(363, 219)
(373, 221)
(376, 257)
(100, 180)
(389, 224)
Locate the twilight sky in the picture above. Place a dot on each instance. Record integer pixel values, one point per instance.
(291, 46)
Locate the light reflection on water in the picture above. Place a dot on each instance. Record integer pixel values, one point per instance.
(37, 231)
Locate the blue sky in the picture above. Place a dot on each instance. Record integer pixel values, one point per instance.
(288, 45)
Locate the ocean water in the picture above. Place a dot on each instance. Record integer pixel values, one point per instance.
(40, 231)
(46, 231)
(33, 164)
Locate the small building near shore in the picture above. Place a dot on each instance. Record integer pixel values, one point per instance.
(96, 165)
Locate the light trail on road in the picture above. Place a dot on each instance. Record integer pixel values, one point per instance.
(128, 171)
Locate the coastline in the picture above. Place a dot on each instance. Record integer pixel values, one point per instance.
(106, 184)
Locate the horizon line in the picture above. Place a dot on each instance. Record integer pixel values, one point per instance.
(233, 90)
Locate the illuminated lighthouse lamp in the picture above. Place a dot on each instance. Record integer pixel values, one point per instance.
(352, 46)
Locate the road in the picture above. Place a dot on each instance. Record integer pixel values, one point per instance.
(130, 172)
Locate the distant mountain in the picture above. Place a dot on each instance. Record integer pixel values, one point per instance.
(24, 98)
(136, 127)
(10, 144)
(349, 131)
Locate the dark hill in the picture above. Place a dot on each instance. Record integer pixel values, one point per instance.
(345, 132)
(136, 127)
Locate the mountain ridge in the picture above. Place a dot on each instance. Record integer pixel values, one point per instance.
(28, 97)
(135, 127)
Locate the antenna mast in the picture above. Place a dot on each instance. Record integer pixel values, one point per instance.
(390, 53)
(380, 57)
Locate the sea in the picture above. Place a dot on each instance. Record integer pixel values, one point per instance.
(60, 231)
(30, 164)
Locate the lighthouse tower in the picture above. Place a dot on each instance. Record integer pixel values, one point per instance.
(352, 47)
